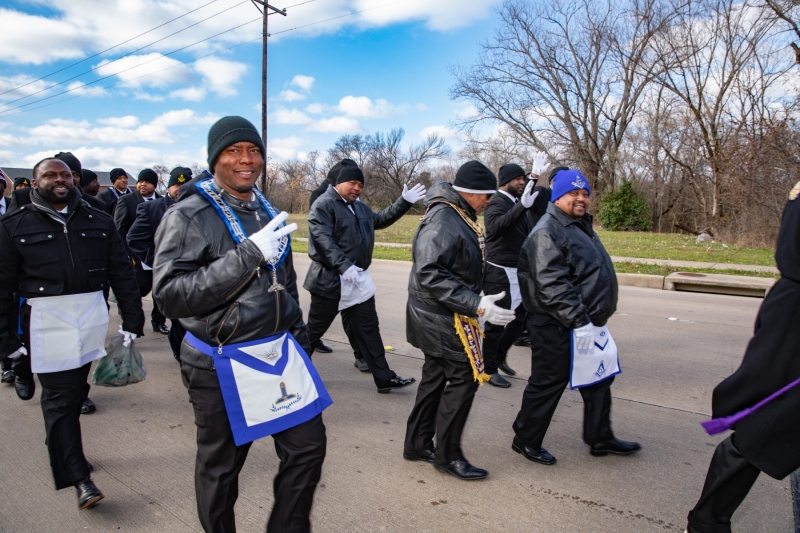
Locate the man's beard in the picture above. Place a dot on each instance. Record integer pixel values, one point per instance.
(243, 188)
(51, 196)
(513, 191)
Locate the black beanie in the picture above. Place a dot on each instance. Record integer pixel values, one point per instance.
(333, 173)
(149, 175)
(350, 172)
(71, 161)
(227, 131)
(474, 177)
(179, 176)
(554, 172)
(508, 172)
(117, 173)
(87, 176)
(19, 181)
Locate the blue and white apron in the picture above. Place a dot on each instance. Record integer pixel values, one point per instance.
(596, 364)
(268, 385)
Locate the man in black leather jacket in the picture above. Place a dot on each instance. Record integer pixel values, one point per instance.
(446, 278)
(220, 291)
(341, 231)
(568, 283)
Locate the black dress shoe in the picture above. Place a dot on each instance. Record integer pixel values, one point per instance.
(88, 494)
(88, 407)
(321, 348)
(8, 377)
(462, 470)
(539, 455)
(507, 370)
(615, 446)
(499, 381)
(420, 455)
(161, 328)
(396, 383)
(25, 388)
(361, 365)
(522, 340)
(90, 466)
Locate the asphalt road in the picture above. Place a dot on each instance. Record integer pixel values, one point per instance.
(141, 440)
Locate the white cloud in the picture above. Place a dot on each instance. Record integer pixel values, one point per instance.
(448, 134)
(78, 88)
(11, 87)
(336, 125)
(190, 94)
(220, 75)
(361, 106)
(291, 116)
(130, 69)
(128, 121)
(285, 148)
(291, 96)
(147, 97)
(304, 82)
(316, 108)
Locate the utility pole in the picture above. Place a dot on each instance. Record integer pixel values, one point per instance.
(266, 10)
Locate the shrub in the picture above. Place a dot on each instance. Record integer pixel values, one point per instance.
(624, 209)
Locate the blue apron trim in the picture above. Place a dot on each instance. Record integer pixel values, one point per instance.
(572, 364)
(19, 316)
(242, 433)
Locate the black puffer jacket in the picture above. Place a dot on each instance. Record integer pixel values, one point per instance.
(566, 273)
(447, 274)
(339, 239)
(218, 289)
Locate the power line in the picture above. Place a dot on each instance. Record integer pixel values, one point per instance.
(124, 56)
(108, 49)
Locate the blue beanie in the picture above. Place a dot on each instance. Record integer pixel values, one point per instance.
(566, 181)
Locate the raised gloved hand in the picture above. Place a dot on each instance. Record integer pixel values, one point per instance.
(414, 195)
(494, 313)
(268, 238)
(128, 337)
(528, 195)
(584, 337)
(540, 163)
(19, 352)
(351, 275)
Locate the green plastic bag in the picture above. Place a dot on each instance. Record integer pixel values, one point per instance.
(122, 365)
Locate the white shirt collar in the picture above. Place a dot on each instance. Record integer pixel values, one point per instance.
(501, 191)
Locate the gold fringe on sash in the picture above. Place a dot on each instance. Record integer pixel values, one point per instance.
(469, 331)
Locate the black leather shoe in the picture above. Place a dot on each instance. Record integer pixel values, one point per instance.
(522, 340)
(462, 470)
(88, 494)
(499, 381)
(8, 377)
(321, 348)
(361, 365)
(90, 466)
(88, 407)
(161, 328)
(420, 455)
(25, 388)
(507, 370)
(396, 383)
(615, 446)
(540, 455)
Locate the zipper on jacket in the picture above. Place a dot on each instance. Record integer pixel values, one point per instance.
(222, 325)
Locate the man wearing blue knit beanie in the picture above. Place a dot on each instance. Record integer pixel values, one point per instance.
(570, 290)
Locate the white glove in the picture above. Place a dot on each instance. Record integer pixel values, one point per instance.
(351, 275)
(268, 238)
(21, 351)
(584, 337)
(528, 196)
(128, 337)
(540, 163)
(494, 313)
(414, 195)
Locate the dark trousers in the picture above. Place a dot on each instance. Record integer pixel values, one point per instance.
(364, 334)
(728, 481)
(499, 339)
(444, 399)
(62, 398)
(22, 368)
(145, 280)
(5, 364)
(550, 362)
(176, 334)
(301, 450)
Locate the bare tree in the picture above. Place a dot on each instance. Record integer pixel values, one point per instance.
(787, 12)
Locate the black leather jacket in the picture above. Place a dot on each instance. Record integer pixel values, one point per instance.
(45, 254)
(339, 239)
(218, 289)
(566, 273)
(447, 274)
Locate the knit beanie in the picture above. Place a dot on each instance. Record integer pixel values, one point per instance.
(149, 175)
(554, 172)
(71, 161)
(474, 177)
(117, 173)
(227, 131)
(350, 172)
(333, 173)
(87, 176)
(179, 176)
(566, 181)
(508, 172)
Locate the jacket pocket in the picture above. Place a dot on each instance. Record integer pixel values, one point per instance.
(41, 287)
(39, 248)
(97, 278)
(228, 324)
(93, 244)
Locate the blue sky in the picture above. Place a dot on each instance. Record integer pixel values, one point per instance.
(382, 68)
